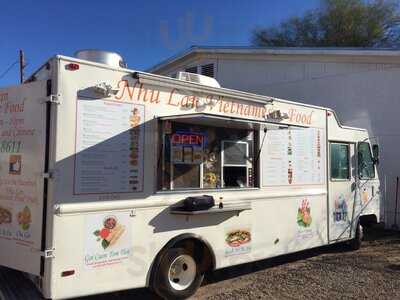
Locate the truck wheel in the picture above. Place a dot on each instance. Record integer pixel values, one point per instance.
(355, 243)
(178, 275)
(15, 286)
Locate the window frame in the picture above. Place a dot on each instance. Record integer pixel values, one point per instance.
(162, 143)
(348, 159)
(360, 177)
(246, 165)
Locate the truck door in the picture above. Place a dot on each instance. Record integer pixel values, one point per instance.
(342, 189)
(22, 162)
(368, 200)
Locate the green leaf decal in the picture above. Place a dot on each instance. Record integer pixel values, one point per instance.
(105, 244)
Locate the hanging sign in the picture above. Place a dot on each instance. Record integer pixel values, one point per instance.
(187, 147)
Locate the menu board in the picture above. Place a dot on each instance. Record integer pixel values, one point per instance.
(109, 147)
(294, 157)
(22, 161)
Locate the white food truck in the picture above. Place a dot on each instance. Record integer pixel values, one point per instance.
(112, 179)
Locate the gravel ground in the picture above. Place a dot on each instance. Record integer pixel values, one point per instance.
(373, 272)
(332, 272)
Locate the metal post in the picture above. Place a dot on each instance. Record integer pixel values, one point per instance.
(21, 66)
(395, 210)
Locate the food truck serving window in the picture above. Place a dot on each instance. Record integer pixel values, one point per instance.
(196, 156)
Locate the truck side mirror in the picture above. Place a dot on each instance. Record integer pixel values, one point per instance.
(375, 152)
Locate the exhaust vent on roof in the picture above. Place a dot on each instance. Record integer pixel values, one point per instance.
(208, 70)
(104, 57)
(196, 78)
(191, 70)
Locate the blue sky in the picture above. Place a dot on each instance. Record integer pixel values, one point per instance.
(144, 32)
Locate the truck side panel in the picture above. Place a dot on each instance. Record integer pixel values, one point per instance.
(22, 151)
(91, 126)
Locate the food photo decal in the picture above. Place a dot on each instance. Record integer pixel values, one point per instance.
(25, 218)
(5, 216)
(304, 214)
(110, 233)
(238, 237)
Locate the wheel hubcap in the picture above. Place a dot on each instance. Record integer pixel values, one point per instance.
(182, 272)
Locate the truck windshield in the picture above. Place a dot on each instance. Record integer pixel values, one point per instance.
(366, 167)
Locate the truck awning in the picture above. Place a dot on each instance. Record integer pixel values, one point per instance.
(220, 121)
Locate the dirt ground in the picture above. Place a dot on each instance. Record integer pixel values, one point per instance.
(332, 272)
(373, 272)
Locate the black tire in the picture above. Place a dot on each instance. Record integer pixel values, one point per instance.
(15, 286)
(368, 221)
(161, 280)
(355, 243)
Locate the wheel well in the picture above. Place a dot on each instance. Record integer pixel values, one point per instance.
(200, 248)
(201, 251)
(367, 220)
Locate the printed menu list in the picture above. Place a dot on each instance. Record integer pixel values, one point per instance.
(109, 147)
(275, 162)
(309, 168)
(294, 157)
(22, 147)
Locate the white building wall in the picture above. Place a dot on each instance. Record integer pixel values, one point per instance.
(364, 94)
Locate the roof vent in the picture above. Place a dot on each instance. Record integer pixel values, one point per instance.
(196, 78)
(104, 57)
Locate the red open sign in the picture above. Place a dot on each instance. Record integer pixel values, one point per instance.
(187, 139)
